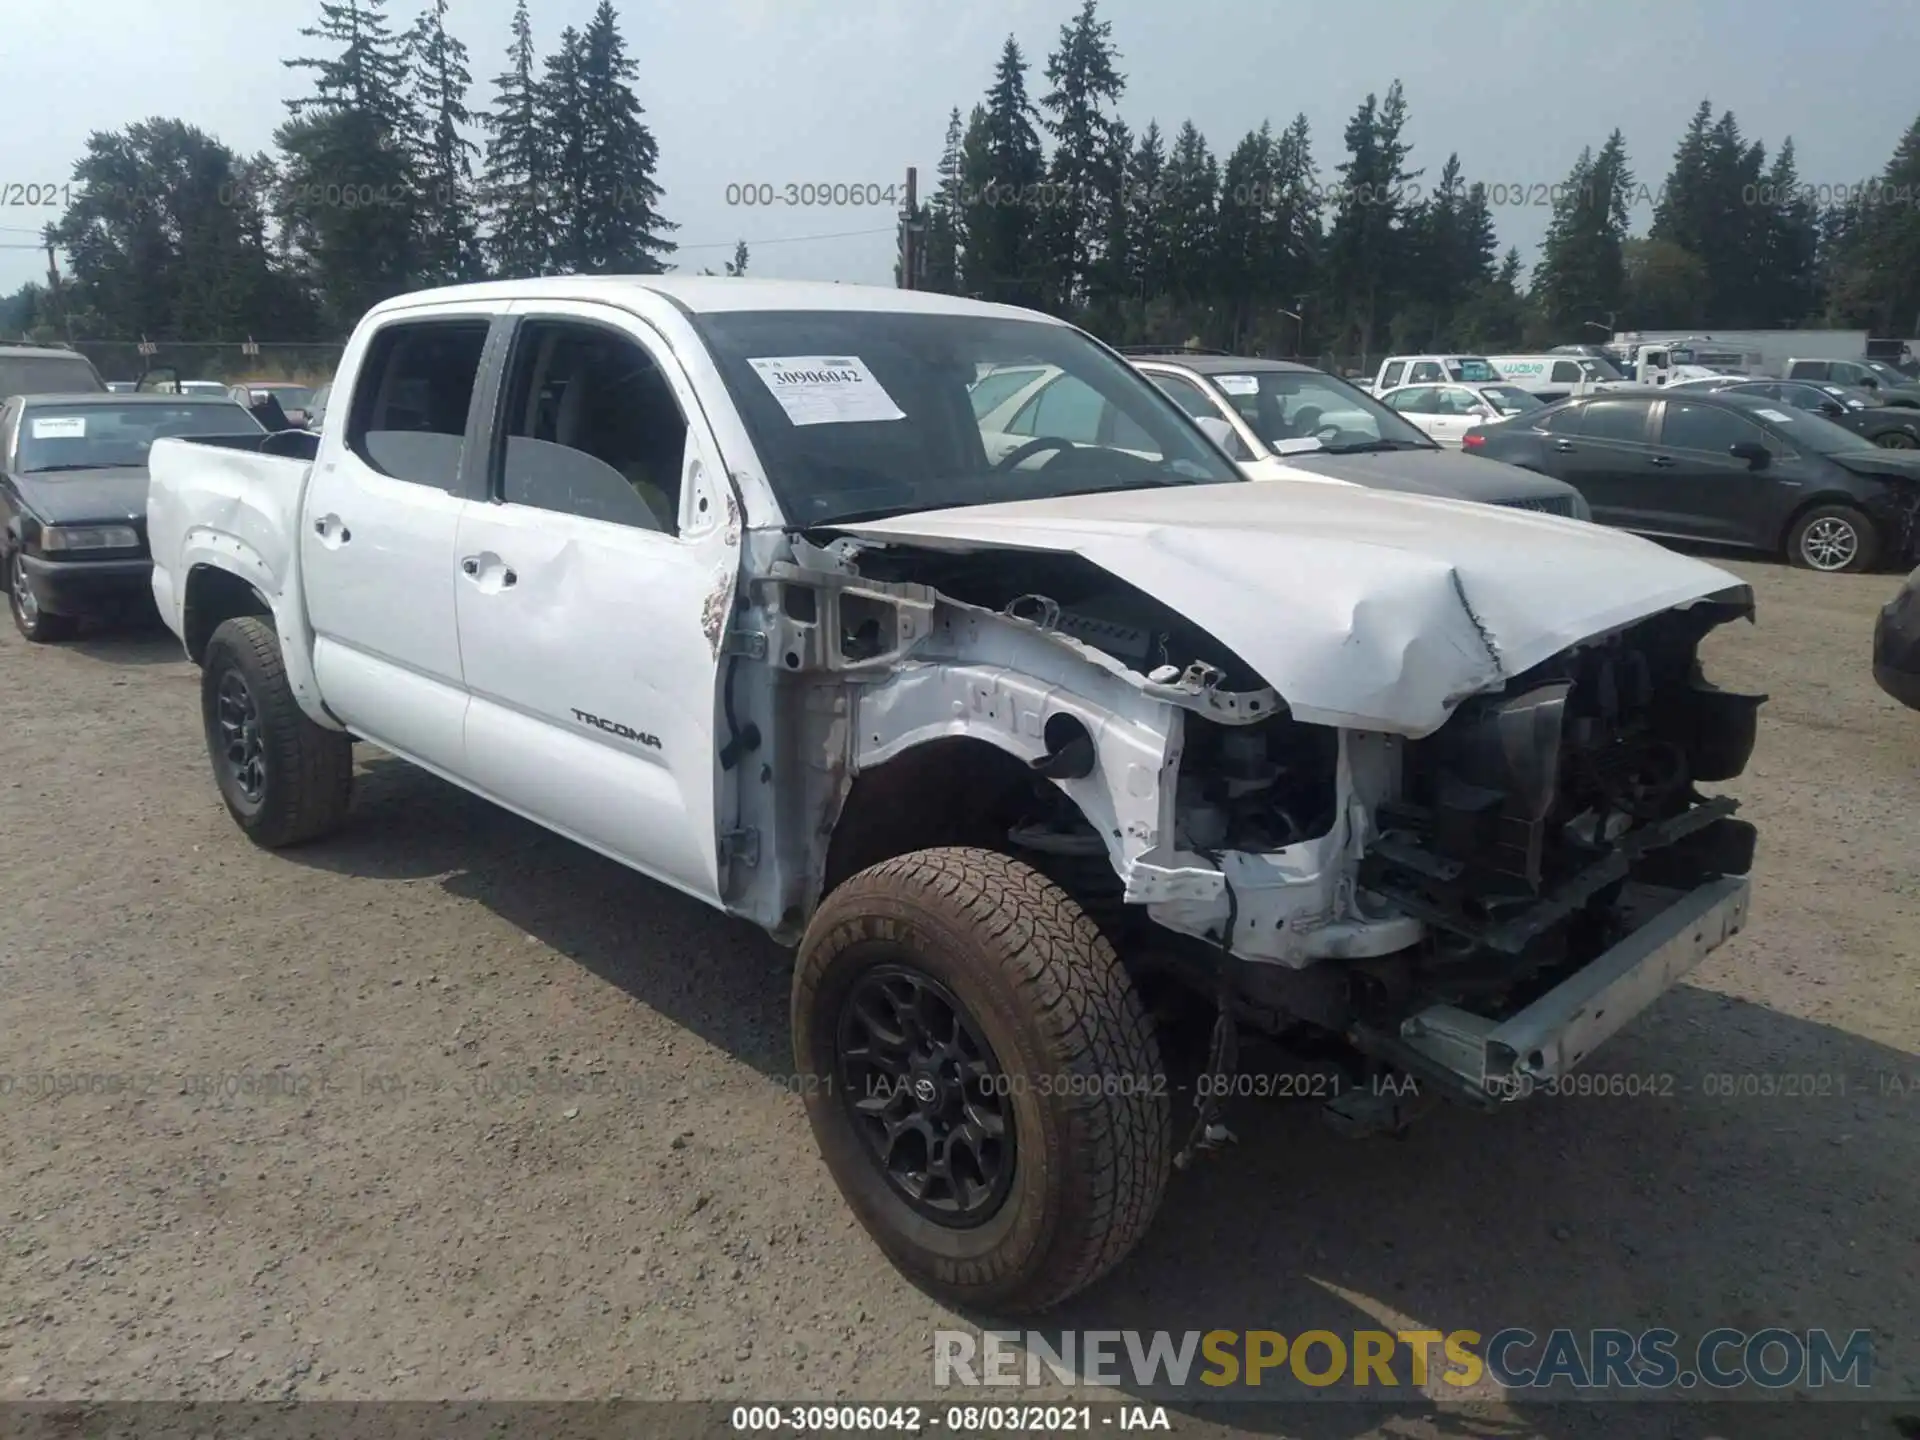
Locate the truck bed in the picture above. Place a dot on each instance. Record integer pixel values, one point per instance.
(208, 496)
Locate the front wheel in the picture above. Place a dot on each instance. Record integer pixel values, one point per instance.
(28, 618)
(1896, 440)
(284, 778)
(1834, 538)
(982, 1078)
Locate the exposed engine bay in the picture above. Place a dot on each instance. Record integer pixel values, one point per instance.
(1363, 886)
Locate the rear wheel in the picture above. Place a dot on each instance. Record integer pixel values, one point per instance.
(1896, 440)
(983, 1080)
(28, 618)
(1834, 538)
(284, 778)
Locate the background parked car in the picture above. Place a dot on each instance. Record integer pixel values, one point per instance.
(1733, 469)
(73, 499)
(1896, 644)
(317, 407)
(1892, 387)
(1446, 412)
(293, 399)
(46, 369)
(1281, 421)
(1894, 427)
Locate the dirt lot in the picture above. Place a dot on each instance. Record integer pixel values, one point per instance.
(538, 1143)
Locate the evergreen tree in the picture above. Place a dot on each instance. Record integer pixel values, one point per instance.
(976, 175)
(450, 240)
(1007, 262)
(1192, 212)
(1368, 247)
(1144, 193)
(1790, 241)
(1240, 269)
(1582, 274)
(738, 265)
(1877, 240)
(1082, 184)
(942, 240)
(620, 229)
(563, 128)
(350, 203)
(368, 73)
(1292, 242)
(514, 185)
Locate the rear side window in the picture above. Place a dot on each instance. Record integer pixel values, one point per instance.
(1565, 372)
(410, 403)
(1807, 370)
(1425, 372)
(1394, 372)
(1613, 420)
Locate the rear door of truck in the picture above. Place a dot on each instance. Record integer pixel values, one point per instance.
(379, 529)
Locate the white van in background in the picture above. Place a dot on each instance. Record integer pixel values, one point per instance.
(1558, 377)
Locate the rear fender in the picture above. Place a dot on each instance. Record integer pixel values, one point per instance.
(208, 551)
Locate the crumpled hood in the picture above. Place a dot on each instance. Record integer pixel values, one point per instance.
(1363, 609)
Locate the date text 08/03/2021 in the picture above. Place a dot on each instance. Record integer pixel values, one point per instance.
(949, 1419)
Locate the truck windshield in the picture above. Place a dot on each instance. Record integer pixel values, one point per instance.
(1595, 368)
(1473, 370)
(109, 437)
(861, 414)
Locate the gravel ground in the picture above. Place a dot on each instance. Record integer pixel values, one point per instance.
(448, 1107)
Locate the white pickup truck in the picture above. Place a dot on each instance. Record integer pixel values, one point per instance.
(1045, 759)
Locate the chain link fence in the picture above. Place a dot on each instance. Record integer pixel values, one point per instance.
(228, 362)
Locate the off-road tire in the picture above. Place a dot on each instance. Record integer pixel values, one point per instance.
(39, 628)
(1866, 552)
(1048, 994)
(309, 770)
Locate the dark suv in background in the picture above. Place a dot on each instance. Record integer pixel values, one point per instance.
(46, 370)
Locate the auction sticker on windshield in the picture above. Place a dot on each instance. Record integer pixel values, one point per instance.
(60, 427)
(826, 389)
(1775, 416)
(1238, 384)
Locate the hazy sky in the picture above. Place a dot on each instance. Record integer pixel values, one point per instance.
(854, 91)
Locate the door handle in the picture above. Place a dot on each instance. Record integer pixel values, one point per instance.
(1565, 447)
(321, 527)
(1664, 461)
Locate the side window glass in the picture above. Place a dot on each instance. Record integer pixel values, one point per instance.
(1623, 420)
(1410, 401)
(1187, 396)
(1706, 428)
(1425, 372)
(592, 428)
(410, 404)
(1068, 409)
(1394, 372)
(1565, 372)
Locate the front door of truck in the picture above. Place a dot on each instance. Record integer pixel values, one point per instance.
(377, 537)
(592, 585)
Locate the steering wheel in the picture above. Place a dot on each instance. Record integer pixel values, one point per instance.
(1035, 446)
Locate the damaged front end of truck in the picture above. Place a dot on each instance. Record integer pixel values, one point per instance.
(1463, 839)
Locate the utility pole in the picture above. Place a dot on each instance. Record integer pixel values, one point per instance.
(909, 240)
(53, 288)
